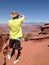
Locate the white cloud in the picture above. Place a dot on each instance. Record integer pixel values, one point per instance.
(2, 21)
(41, 21)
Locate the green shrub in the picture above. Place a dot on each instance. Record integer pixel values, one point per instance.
(27, 36)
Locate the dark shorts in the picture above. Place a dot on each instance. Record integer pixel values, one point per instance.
(14, 44)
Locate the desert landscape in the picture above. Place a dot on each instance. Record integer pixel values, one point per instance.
(34, 43)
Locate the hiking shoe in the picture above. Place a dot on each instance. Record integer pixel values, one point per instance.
(9, 57)
(16, 61)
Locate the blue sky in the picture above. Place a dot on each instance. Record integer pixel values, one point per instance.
(34, 10)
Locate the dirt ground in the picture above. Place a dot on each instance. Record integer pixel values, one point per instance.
(34, 52)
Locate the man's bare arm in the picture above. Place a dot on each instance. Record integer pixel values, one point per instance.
(21, 15)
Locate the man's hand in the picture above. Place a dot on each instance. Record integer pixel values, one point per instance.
(21, 15)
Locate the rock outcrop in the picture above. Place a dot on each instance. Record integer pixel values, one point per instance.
(39, 32)
(4, 36)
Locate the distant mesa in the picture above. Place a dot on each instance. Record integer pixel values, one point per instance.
(34, 23)
(38, 31)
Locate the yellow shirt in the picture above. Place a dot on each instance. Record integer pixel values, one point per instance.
(15, 28)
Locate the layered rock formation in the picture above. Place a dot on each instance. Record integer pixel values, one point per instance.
(4, 36)
(42, 33)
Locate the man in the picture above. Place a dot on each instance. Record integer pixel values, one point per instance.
(15, 33)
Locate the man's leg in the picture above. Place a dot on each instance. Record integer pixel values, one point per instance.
(11, 43)
(16, 54)
(15, 57)
(9, 53)
(17, 46)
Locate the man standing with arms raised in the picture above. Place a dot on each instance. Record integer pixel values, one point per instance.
(15, 33)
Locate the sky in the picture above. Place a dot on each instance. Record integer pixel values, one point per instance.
(34, 10)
